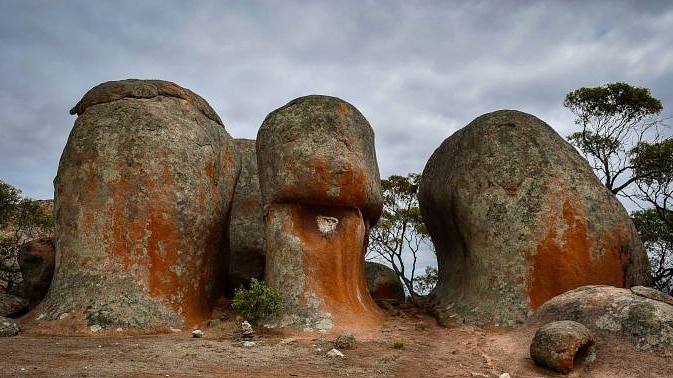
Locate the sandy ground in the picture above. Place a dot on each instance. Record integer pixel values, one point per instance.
(427, 351)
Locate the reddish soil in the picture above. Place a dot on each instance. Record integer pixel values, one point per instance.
(425, 350)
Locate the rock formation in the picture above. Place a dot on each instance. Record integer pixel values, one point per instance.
(517, 216)
(321, 191)
(143, 189)
(557, 345)
(246, 230)
(12, 306)
(615, 312)
(383, 283)
(36, 262)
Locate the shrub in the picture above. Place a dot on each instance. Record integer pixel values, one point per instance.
(345, 341)
(258, 302)
(398, 344)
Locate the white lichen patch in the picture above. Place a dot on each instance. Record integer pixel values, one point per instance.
(326, 225)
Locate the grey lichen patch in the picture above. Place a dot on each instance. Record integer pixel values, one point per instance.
(326, 224)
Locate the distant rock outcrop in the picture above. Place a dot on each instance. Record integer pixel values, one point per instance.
(11, 305)
(321, 191)
(37, 259)
(246, 229)
(143, 189)
(608, 311)
(383, 283)
(517, 216)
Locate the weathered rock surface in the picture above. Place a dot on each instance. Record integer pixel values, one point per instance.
(383, 283)
(614, 312)
(142, 193)
(37, 259)
(556, 345)
(319, 150)
(8, 327)
(517, 216)
(11, 305)
(321, 190)
(246, 229)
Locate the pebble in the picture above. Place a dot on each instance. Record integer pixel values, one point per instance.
(249, 344)
(335, 353)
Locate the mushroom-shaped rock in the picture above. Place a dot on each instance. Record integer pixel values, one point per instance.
(246, 229)
(383, 283)
(611, 312)
(557, 345)
(142, 193)
(321, 190)
(517, 216)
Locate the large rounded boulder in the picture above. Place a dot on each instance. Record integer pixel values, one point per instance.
(142, 194)
(517, 217)
(321, 191)
(640, 316)
(246, 229)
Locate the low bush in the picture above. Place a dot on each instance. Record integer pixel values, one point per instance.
(257, 303)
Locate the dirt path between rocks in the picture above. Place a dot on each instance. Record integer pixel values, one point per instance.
(427, 351)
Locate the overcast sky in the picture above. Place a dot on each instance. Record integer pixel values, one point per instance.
(417, 70)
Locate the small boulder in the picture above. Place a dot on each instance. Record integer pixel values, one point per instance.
(556, 345)
(11, 305)
(8, 327)
(383, 283)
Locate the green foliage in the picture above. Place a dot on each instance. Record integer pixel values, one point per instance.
(20, 220)
(9, 199)
(614, 118)
(424, 284)
(653, 162)
(345, 341)
(618, 102)
(400, 234)
(257, 303)
(398, 344)
(656, 231)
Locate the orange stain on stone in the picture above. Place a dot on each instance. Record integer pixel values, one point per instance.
(164, 252)
(569, 260)
(334, 266)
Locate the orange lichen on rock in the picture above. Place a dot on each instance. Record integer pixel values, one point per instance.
(567, 258)
(142, 195)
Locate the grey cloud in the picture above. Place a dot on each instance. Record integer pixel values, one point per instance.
(418, 70)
